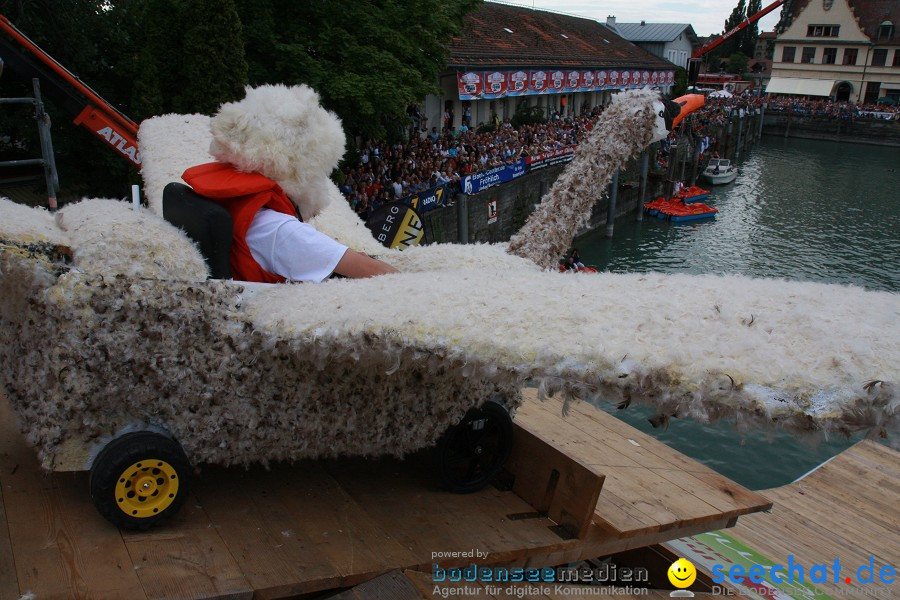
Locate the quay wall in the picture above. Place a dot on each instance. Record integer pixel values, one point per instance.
(516, 200)
(873, 132)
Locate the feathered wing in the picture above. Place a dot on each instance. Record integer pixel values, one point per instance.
(797, 355)
(628, 125)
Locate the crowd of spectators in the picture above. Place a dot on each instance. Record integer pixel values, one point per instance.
(385, 171)
(388, 171)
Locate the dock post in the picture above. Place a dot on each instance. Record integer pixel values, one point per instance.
(462, 218)
(762, 117)
(737, 146)
(645, 169)
(695, 164)
(611, 211)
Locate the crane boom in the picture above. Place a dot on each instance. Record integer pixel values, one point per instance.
(92, 112)
(743, 25)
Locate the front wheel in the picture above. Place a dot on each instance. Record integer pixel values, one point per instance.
(472, 452)
(140, 480)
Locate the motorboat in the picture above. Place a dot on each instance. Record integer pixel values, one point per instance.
(719, 171)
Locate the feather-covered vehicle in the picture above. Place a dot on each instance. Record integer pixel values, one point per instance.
(119, 355)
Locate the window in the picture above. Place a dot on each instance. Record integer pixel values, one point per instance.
(896, 58)
(885, 30)
(787, 55)
(809, 56)
(850, 56)
(879, 57)
(829, 56)
(823, 30)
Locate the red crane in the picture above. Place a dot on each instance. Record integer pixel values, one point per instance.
(743, 25)
(92, 112)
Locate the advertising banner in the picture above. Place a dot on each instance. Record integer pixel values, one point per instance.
(494, 85)
(475, 85)
(550, 158)
(557, 81)
(472, 184)
(396, 225)
(470, 85)
(587, 81)
(518, 83)
(537, 82)
(428, 199)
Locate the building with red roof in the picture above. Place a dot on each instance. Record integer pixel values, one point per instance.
(512, 56)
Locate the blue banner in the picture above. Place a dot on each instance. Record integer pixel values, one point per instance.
(429, 199)
(472, 184)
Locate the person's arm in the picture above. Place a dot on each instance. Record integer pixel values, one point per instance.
(359, 264)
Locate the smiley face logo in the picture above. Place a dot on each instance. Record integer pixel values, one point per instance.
(682, 573)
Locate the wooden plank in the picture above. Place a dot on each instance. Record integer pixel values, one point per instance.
(186, 558)
(62, 546)
(9, 583)
(337, 526)
(553, 483)
(425, 519)
(260, 531)
(689, 491)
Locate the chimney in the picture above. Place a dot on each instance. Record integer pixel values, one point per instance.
(611, 21)
(643, 23)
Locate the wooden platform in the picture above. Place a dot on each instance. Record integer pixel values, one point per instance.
(329, 525)
(847, 509)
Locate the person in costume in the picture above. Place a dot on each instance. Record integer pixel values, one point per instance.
(269, 196)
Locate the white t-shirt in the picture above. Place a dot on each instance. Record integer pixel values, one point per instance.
(286, 246)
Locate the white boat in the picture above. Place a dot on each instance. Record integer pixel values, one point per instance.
(720, 170)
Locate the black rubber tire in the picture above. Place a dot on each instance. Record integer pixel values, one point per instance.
(472, 452)
(119, 456)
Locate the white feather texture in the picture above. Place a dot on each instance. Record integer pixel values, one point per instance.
(175, 142)
(285, 134)
(253, 373)
(23, 224)
(109, 237)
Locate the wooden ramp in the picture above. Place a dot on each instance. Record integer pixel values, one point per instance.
(845, 510)
(330, 525)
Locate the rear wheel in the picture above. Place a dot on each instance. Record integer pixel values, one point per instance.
(472, 452)
(140, 480)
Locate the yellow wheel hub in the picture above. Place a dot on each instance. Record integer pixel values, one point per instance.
(146, 488)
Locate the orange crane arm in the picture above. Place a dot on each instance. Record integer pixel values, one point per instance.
(92, 112)
(743, 25)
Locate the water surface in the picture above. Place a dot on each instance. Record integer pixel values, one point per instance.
(800, 209)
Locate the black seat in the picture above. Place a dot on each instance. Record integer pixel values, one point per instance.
(205, 222)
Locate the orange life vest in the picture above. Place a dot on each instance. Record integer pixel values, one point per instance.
(242, 194)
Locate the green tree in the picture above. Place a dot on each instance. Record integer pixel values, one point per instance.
(212, 69)
(367, 58)
(751, 34)
(681, 82)
(737, 63)
(733, 44)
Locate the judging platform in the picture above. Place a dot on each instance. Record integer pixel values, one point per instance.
(577, 487)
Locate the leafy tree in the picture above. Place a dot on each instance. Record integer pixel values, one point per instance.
(367, 58)
(528, 115)
(681, 83)
(751, 34)
(737, 63)
(733, 44)
(212, 69)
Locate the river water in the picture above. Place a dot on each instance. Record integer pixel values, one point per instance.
(799, 209)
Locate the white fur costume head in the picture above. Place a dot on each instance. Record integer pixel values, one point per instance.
(285, 134)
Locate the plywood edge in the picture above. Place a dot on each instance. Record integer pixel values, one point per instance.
(555, 484)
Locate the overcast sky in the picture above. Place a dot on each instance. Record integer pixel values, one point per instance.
(707, 16)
